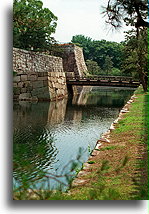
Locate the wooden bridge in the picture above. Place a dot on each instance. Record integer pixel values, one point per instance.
(111, 81)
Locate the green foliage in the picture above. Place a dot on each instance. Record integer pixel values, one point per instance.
(133, 13)
(117, 72)
(136, 55)
(93, 67)
(97, 51)
(105, 165)
(89, 149)
(32, 25)
(108, 65)
(84, 42)
(130, 64)
(14, 73)
(108, 148)
(91, 162)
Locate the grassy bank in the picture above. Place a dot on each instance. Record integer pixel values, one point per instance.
(116, 170)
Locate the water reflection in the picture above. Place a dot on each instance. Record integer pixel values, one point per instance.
(47, 136)
(33, 149)
(56, 112)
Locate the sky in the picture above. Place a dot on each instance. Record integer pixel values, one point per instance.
(77, 17)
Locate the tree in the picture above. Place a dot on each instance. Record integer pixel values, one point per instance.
(134, 13)
(131, 56)
(93, 67)
(32, 25)
(84, 42)
(108, 65)
(97, 50)
(136, 55)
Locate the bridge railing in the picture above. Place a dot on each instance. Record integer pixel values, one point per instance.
(103, 78)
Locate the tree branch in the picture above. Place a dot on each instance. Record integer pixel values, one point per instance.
(140, 22)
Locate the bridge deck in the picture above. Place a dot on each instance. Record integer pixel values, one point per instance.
(103, 81)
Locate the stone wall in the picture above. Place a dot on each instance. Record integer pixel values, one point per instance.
(73, 64)
(38, 76)
(73, 59)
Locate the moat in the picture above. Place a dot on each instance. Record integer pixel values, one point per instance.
(49, 137)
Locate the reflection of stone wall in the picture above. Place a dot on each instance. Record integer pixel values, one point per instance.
(82, 97)
(39, 114)
(57, 111)
(30, 114)
(38, 76)
(77, 116)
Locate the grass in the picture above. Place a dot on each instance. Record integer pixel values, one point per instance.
(91, 162)
(109, 148)
(119, 171)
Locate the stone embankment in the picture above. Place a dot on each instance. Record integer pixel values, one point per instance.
(38, 76)
(73, 59)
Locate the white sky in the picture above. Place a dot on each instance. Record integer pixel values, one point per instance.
(81, 17)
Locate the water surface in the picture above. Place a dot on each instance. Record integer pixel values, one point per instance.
(50, 137)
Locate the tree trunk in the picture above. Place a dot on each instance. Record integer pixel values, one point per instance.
(144, 81)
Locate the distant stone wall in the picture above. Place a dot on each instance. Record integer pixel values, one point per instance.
(73, 60)
(38, 76)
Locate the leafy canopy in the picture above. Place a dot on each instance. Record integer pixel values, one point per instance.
(133, 12)
(98, 51)
(32, 25)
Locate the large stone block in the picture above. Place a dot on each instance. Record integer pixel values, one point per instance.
(23, 90)
(50, 83)
(41, 90)
(43, 78)
(34, 98)
(24, 96)
(34, 70)
(37, 84)
(15, 85)
(60, 81)
(57, 85)
(53, 84)
(16, 79)
(32, 77)
(44, 96)
(40, 74)
(45, 83)
(45, 74)
(51, 90)
(16, 91)
(24, 77)
(34, 92)
(20, 84)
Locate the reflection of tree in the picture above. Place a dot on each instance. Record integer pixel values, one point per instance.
(33, 145)
(83, 104)
(33, 152)
(115, 98)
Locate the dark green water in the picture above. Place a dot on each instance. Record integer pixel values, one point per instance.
(50, 137)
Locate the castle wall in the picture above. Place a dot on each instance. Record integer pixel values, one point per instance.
(38, 76)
